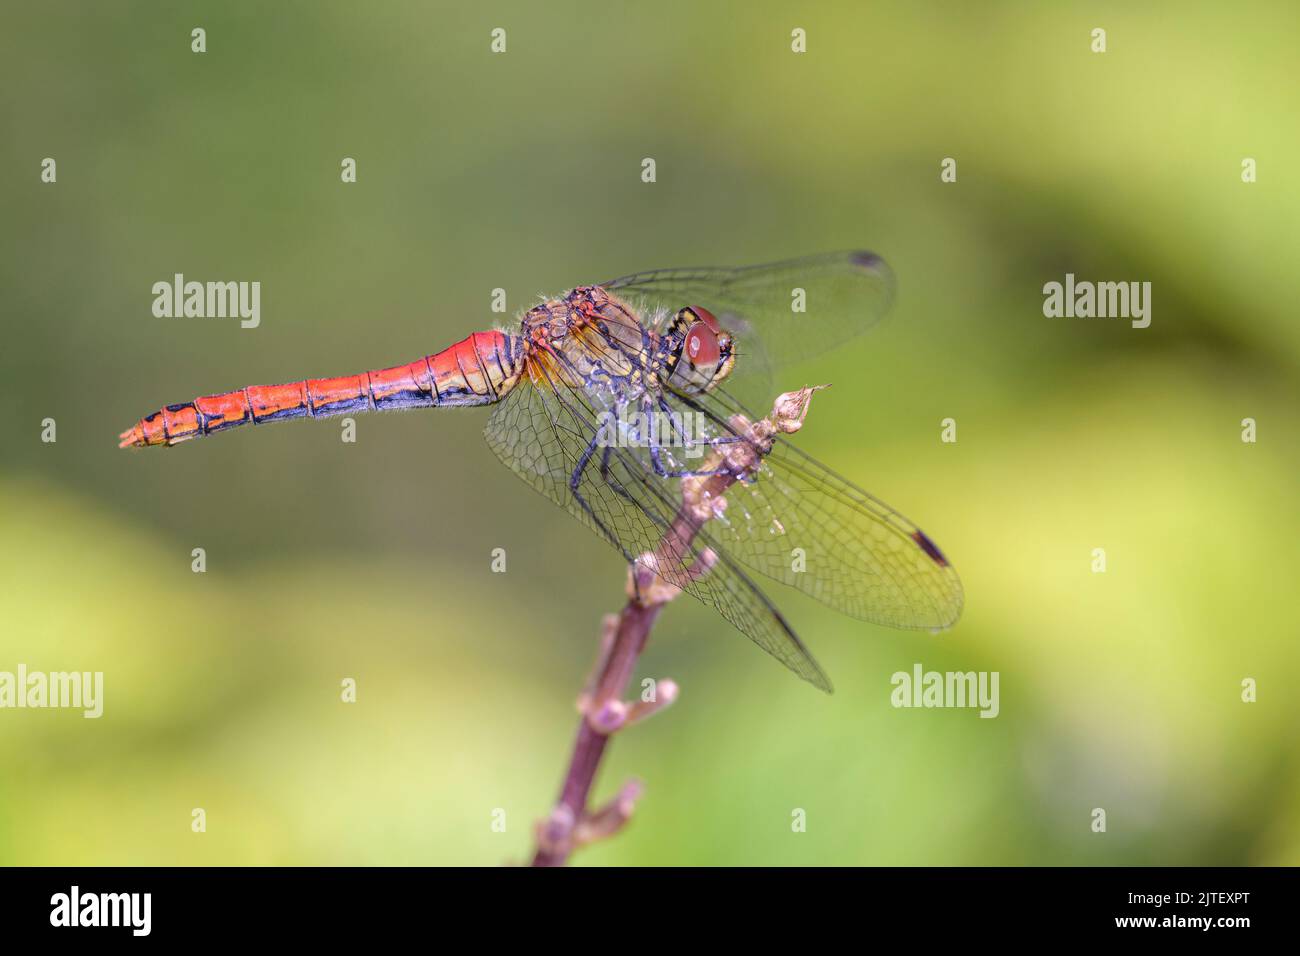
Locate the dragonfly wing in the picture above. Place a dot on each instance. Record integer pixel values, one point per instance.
(779, 313)
(802, 524)
(543, 434)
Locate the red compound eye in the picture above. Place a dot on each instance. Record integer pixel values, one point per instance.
(707, 317)
(702, 344)
(702, 338)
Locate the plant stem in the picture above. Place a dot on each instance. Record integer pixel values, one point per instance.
(603, 710)
(633, 630)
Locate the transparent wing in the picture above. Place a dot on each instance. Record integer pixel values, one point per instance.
(779, 313)
(544, 433)
(801, 524)
(543, 440)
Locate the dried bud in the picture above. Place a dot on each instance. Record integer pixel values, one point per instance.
(608, 717)
(609, 819)
(553, 834)
(790, 409)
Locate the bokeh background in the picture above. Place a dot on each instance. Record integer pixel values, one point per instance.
(522, 171)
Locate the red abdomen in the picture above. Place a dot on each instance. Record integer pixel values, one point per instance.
(476, 371)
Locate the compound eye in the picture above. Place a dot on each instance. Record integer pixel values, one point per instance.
(702, 346)
(707, 317)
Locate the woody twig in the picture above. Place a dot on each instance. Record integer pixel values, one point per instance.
(604, 711)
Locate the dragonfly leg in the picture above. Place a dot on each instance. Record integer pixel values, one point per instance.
(575, 480)
(617, 487)
(675, 416)
(675, 420)
(663, 472)
(604, 472)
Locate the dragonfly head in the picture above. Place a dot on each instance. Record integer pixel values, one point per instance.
(703, 355)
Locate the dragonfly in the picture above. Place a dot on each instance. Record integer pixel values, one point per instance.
(610, 398)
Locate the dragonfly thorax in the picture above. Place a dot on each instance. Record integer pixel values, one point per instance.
(591, 339)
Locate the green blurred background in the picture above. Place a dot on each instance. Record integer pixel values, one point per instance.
(522, 171)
